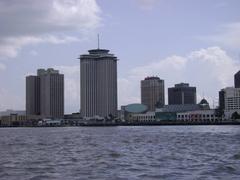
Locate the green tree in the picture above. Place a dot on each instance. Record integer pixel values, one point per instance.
(235, 115)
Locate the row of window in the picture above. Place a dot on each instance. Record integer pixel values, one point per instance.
(195, 115)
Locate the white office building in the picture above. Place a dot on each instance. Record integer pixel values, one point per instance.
(231, 101)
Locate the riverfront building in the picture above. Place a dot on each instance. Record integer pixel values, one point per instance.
(182, 94)
(169, 112)
(152, 92)
(200, 116)
(45, 94)
(231, 101)
(33, 95)
(98, 80)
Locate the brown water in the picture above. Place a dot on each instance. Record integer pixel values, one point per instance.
(157, 152)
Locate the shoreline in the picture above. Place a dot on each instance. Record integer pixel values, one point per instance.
(137, 124)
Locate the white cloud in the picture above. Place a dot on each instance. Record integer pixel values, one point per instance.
(71, 87)
(208, 69)
(9, 47)
(227, 35)
(31, 22)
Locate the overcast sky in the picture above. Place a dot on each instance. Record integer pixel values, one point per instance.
(193, 41)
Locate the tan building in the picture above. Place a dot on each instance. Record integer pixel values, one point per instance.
(13, 120)
(152, 93)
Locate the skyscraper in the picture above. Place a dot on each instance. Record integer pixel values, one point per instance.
(98, 83)
(237, 80)
(51, 93)
(221, 96)
(32, 95)
(182, 94)
(45, 94)
(152, 92)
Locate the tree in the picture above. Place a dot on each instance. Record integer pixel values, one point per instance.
(235, 115)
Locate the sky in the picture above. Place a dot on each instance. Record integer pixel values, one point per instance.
(192, 41)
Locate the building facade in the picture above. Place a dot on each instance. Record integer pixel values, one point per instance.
(51, 93)
(143, 117)
(45, 94)
(32, 95)
(152, 93)
(13, 120)
(237, 80)
(221, 102)
(182, 94)
(98, 81)
(231, 101)
(199, 116)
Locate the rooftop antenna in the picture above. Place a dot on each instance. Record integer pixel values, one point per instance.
(98, 40)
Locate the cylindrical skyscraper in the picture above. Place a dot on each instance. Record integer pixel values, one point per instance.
(98, 80)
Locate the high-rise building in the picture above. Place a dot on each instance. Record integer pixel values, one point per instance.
(152, 92)
(51, 93)
(45, 94)
(182, 94)
(221, 96)
(98, 83)
(237, 80)
(32, 95)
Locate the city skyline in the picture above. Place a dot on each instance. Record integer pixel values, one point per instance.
(158, 39)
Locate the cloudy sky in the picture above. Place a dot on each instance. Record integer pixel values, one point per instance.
(194, 41)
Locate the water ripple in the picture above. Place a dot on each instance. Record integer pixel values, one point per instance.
(164, 152)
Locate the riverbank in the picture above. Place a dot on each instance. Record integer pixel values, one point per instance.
(158, 123)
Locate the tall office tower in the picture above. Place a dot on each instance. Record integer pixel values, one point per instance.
(51, 93)
(237, 80)
(32, 95)
(45, 94)
(182, 94)
(221, 95)
(98, 83)
(152, 92)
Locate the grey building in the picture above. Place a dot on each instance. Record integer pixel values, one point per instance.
(237, 80)
(182, 94)
(32, 95)
(152, 92)
(221, 95)
(51, 93)
(45, 94)
(98, 81)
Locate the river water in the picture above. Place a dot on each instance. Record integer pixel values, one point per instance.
(146, 152)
